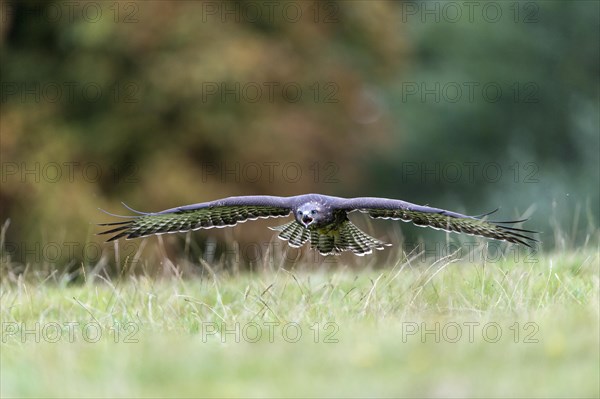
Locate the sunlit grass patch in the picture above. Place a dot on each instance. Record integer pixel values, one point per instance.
(447, 329)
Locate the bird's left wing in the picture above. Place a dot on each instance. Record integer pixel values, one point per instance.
(220, 213)
(425, 216)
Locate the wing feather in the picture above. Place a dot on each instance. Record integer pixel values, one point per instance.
(425, 216)
(221, 213)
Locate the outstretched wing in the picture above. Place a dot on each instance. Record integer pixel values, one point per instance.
(425, 216)
(220, 213)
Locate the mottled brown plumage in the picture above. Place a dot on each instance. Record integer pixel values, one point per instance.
(320, 219)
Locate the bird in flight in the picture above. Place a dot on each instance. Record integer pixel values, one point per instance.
(321, 220)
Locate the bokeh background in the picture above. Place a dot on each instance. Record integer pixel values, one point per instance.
(467, 107)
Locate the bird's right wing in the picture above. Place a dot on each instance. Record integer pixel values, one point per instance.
(219, 213)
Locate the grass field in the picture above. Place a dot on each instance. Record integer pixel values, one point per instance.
(451, 328)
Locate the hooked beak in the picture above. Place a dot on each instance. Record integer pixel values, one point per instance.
(306, 219)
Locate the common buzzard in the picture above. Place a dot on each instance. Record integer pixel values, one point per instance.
(320, 219)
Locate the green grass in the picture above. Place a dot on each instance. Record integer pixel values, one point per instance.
(361, 332)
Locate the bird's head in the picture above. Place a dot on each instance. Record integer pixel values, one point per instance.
(311, 214)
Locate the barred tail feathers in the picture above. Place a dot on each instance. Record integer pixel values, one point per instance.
(332, 241)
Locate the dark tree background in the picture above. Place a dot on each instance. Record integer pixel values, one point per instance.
(163, 103)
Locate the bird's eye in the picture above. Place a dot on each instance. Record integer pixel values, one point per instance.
(313, 212)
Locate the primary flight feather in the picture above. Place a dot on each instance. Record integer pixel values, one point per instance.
(320, 219)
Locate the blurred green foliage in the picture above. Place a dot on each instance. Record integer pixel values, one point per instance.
(165, 103)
